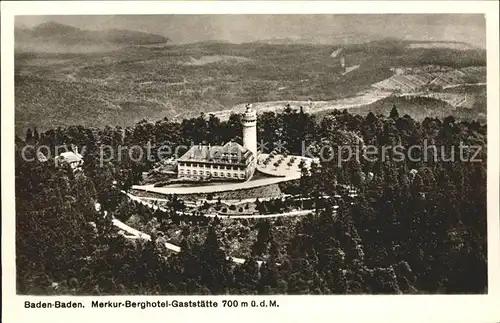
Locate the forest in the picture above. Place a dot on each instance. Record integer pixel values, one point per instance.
(416, 227)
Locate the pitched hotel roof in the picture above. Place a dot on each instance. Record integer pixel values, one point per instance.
(230, 153)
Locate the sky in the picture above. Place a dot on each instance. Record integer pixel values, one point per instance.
(469, 28)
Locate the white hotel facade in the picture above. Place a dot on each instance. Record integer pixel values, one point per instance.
(228, 162)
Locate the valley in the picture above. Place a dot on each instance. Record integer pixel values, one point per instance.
(126, 85)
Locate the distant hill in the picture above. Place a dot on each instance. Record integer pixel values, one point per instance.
(421, 107)
(362, 39)
(339, 39)
(53, 37)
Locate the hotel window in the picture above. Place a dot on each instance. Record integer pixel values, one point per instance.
(188, 172)
(194, 172)
(207, 173)
(215, 174)
(235, 175)
(242, 175)
(228, 174)
(181, 172)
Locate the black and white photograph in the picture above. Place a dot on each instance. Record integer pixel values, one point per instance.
(251, 154)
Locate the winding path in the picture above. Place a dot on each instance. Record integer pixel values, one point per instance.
(261, 216)
(141, 235)
(224, 216)
(136, 234)
(360, 99)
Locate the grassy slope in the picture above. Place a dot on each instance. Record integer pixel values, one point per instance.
(127, 85)
(417, 108)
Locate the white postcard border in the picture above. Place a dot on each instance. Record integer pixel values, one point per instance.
(418, 308)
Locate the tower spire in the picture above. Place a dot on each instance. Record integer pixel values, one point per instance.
(249, 123)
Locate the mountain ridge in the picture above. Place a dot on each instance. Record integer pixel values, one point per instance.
(55, 37)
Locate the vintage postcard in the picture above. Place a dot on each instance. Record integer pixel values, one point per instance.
(199, 160)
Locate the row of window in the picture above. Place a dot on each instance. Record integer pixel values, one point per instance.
(211, 166)
(215, 174)
(194, 172)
